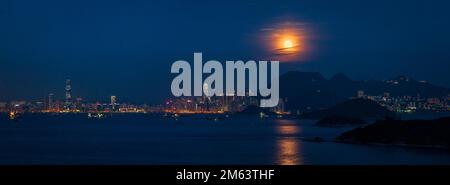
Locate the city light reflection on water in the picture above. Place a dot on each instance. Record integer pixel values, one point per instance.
(288, 144)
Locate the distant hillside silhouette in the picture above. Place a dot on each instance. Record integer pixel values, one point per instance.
(305, 90)
(412, 132)
(311, 91)
(355, 108)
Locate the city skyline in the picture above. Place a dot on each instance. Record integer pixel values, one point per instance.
(223, 104)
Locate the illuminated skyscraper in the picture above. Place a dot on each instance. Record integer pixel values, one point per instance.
(205, 88)
(206, 99)
(113, 102)
(50, 102)
(68, 94)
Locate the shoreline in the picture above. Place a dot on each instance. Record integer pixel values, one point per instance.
(440, 147)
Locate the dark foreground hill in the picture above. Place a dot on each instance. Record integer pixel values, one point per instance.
(432, 133)
(355, 108)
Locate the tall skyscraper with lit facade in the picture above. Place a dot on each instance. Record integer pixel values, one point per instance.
(49, 102)
(113, 102)
(68, 101)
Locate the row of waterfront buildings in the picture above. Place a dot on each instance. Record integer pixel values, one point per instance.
(51, 104)
(409, 103)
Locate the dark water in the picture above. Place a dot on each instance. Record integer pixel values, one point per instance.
(153, 139)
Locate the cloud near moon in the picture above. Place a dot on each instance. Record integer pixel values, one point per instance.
(285, 41)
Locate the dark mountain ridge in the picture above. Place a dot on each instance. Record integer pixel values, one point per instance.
(311, 91)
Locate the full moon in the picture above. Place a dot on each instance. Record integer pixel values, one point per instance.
(288, 44)
(286, 41)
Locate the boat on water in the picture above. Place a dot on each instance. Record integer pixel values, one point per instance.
(263, 115)
(96, 115)
(174, 115)
(14, 116)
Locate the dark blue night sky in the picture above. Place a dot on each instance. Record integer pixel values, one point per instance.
(125, 48)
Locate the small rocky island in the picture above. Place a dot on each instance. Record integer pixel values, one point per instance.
(422, 133)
